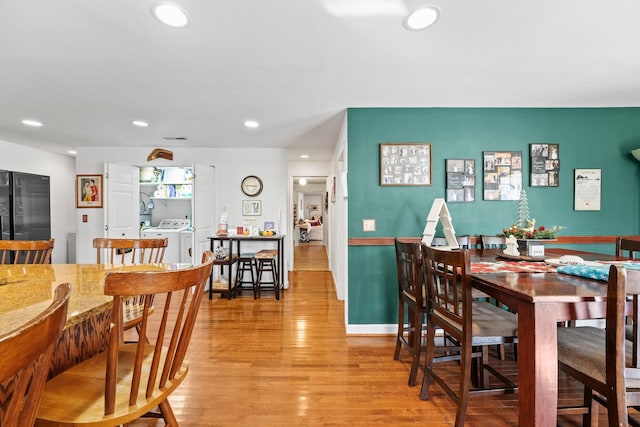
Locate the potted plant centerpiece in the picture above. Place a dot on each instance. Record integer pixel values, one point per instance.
(531, 239)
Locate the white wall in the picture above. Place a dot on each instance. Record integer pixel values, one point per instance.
(231, 165)
(61, 169)
(339, 251)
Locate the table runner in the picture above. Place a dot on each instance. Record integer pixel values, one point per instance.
(600, 272)
(511, 266)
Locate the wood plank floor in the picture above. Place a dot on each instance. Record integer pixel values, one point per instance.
(289, 362)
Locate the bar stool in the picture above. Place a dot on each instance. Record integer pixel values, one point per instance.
(266, 262)
(246, 262)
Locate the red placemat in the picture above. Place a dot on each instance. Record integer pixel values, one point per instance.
(512, 266)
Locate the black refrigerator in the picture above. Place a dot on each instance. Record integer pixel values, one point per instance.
(25, 206)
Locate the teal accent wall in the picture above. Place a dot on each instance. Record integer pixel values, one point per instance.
(599, 138)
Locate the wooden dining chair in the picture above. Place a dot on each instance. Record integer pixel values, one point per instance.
(496, 242)
(412, 305)
(411, 296)
(439, 241)
(601, 359)
(464, 242)
(492, 242)
(131, 251)
(26, 251)
(127, 381)
(628, 248)
(26, 353)
(474, 324)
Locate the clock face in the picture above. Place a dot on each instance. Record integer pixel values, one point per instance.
(251, 186)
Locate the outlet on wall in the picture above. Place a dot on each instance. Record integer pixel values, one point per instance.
(369, 224)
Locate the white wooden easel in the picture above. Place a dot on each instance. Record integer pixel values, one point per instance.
(440, 212)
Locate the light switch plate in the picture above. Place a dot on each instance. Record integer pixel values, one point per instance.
(369, 224)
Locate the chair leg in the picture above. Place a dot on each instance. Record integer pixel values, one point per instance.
(167, 414)
(465, 385)
(416, 344)
(428, 364)
(396, 352)
(616, 408)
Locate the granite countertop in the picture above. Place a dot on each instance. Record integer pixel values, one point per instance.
(26, 290)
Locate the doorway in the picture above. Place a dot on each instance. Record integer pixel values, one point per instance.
(310, 216)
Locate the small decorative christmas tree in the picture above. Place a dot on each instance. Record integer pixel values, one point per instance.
(522, 220)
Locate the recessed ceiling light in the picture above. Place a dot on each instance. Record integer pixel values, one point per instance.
(304, 156)
(30, 122)
(302, 181)
(170, 15)
(422, 18)
(251, 123)
(140, 123)
(72, 152)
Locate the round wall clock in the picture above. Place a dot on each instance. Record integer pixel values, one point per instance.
(251, 186)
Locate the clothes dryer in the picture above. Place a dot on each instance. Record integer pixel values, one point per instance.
(171, 229)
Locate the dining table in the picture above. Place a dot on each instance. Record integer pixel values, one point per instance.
(542, 297)
(26, 290)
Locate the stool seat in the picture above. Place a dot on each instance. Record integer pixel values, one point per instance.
(267, 253)
(266, 262)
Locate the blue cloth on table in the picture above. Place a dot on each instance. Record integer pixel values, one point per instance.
(600, 272)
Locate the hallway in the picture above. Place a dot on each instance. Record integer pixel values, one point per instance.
(311, 256)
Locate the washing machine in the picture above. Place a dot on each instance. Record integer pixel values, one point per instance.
(186, 243)
(171, 229)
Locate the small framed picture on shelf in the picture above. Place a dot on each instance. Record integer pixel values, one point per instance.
(252, 207)
(269, 225)
(88, 191)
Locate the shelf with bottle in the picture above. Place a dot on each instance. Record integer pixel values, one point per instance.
(172, 191)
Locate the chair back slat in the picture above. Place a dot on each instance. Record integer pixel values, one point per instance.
(129, 251)
(26, 251)
(623, 283)
(26, 354)
(155, 364)
(448, 284)
(464, 242)
(409, 268)
(628, 248)
(492, 242)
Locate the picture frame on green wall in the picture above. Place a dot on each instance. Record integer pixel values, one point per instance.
(502, 175)
(587, 189)
(405, 164)
(461, 180)
(545, 165)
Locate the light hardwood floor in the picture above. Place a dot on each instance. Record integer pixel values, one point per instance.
(290, 363)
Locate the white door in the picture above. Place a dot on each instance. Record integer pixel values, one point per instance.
(203, 210)
(122, 213)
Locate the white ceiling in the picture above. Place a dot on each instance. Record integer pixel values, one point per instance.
(86, 68)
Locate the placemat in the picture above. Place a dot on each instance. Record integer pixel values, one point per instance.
(511, 266)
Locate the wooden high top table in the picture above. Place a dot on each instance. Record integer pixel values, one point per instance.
(541, 300)
(26, 290)
(235, 240)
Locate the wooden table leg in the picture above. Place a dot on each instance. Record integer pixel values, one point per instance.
(537, 364)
